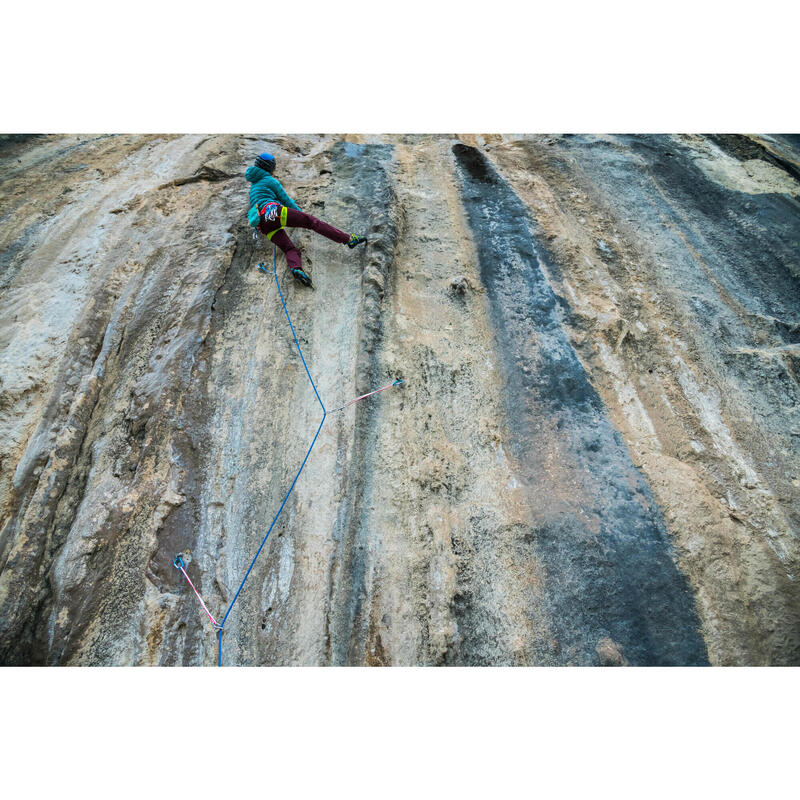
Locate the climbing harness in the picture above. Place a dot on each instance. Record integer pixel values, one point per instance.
(283, 215)
(267, 213)
(178, 563)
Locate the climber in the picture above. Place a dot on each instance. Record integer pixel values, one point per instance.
(272, 210)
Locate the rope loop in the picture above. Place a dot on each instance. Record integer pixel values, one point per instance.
(219, 627)
(308, 453)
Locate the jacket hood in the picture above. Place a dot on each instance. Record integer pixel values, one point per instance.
(255, 174)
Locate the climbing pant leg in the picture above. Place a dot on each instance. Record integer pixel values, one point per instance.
(274, 230)
(293, 258)
(299, 219)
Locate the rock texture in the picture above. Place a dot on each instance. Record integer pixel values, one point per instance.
(593, 460)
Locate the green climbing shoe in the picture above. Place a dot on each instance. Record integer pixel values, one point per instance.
(355, 240)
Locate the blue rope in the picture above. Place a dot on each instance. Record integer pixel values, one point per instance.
(324, 414)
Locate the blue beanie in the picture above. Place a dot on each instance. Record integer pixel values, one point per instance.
(266, 161)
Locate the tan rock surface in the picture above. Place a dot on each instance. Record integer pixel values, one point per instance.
(593, 458)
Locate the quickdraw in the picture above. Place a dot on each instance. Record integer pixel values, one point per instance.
(178, 564)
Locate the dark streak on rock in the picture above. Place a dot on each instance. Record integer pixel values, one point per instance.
(350, 618)
(615, 577)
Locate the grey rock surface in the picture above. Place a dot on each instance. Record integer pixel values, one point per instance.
(593, 459)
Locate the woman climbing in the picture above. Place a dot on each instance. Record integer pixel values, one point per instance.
(272, 210)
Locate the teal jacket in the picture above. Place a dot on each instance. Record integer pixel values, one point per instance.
(267, 189)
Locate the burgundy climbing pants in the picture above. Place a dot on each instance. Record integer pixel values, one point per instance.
(299, 219)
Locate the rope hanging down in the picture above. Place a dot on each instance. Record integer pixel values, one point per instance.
(178, 563)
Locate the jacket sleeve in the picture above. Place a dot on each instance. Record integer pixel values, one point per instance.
(283, 197)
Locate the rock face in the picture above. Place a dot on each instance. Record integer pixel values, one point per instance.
(593, 458)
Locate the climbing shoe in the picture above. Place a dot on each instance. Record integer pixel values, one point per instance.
(303, 277)
(355, 240)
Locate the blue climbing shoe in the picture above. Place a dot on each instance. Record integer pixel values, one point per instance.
(355, 240)
(303, 277)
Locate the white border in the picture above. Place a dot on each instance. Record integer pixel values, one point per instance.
(358, 66)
